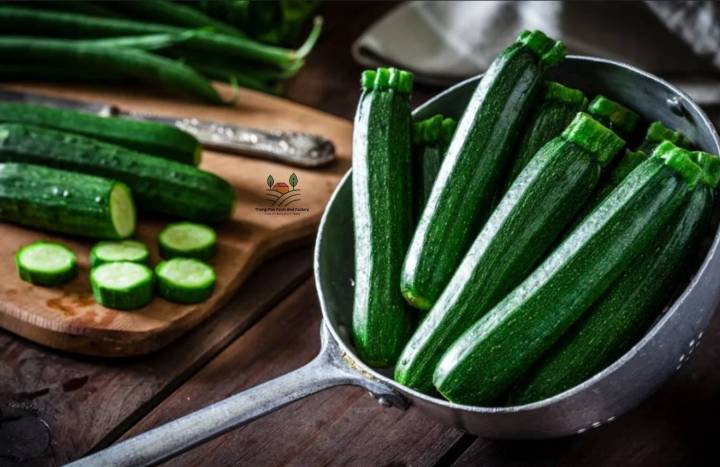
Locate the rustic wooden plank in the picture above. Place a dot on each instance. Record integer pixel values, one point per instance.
(89, 402)
(674, 427)
(336, 427)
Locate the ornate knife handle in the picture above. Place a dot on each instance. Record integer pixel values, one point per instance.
(288, 147)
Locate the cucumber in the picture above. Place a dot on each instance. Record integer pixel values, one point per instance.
(157, 184)
(614, 115)
(462, 195)
(65, 202)
(382, 214)
(147, 137)
(46, 263)
(624, 312)
(122, 285)
(125, 250)
(430, 140)
(187, 239)
(502, 345)
(559, 106)
(536, 209)
(185, 280)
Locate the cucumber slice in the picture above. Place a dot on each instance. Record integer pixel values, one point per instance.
(112, 252)
(46, 263)
(185, 280)
(122, 210)
(187, 240)
(122, 285)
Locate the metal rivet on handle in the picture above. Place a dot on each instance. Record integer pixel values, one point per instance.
(382, 400)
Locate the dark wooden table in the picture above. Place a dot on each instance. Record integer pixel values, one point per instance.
(55, 407)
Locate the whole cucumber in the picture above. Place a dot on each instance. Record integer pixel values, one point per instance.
(66, 202)
(157, 184)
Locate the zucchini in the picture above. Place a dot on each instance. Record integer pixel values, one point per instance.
(626, 309)
(559, 106)
(46, 263)
(66, 202)
(185, 280)
(430, 141)
(656, 134)
(157, 184)
(125, 250)
(122, 285)
(614, 115)
(148, 137)
(462, 195)
(382, 214)
(188, 240)
(502, 345)
(536, 209)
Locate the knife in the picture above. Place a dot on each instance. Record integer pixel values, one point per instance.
(289, 147)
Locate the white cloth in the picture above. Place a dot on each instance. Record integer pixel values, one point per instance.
(443, 42)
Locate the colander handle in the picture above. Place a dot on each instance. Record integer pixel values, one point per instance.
(330, 368)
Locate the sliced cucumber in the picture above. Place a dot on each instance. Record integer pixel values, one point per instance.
(122, 285)
(187, 240)
(185, 280)
(46, 263)
(125, 250)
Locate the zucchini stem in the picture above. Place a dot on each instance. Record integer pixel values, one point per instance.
(595, 138)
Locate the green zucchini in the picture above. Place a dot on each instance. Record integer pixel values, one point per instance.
(382, 213)
(614, 115)
(66, 202)
(626, 309)
(148, 137)
(656, 134)
(46, 263)
(187, 240)
(122, 285)
(538, 206)
(430, 141)
(462, 195)
(125, 250)
(502, 345)
(185, 280)
(559, 106)
(157, 184)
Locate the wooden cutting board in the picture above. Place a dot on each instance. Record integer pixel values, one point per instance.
(68, 318)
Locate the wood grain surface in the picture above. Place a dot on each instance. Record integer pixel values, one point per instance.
(307, 432)
(88, 402)
(67, 318)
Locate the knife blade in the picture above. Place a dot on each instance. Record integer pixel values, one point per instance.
(289, 147)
